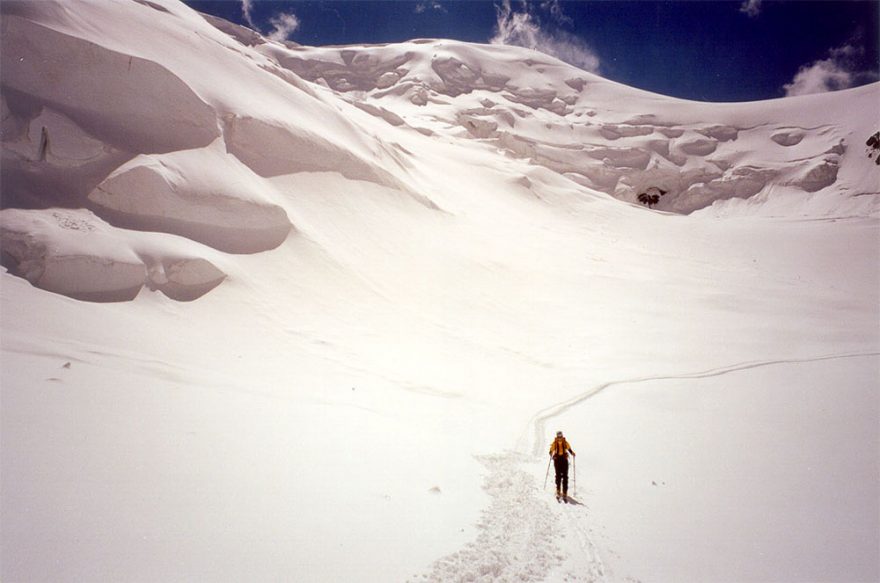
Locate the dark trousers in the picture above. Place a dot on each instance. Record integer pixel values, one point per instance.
(560, 464)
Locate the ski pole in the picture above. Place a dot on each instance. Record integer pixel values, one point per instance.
(547, 475)
(574, 470)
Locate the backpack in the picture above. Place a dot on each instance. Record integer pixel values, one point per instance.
(559, 447)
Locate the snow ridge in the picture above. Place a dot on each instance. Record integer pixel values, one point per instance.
(596, 133)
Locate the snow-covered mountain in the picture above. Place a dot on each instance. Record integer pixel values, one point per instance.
(273, 312)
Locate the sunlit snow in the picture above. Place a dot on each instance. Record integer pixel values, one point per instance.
(283, 313)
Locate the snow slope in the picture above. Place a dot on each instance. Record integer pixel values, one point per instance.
(386, 275)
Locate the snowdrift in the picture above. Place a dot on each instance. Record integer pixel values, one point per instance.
(602, 135)
(108, 122)
(73, 252)
(142, 137)
(229, 208)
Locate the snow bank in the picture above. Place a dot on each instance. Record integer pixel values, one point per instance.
(132, 103)
(276, 148)
(50, 137)
(76, 254)
(228, 207)
(47, 158)
(103, 118)
(71, 253)
(185, 279)
(540, 109)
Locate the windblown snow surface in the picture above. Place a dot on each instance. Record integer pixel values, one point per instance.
(279, 313)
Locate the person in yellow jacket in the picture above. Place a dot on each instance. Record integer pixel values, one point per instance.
(559, 451)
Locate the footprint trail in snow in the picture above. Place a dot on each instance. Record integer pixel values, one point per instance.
(521, 535)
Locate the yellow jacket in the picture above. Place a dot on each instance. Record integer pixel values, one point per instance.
(560, 447)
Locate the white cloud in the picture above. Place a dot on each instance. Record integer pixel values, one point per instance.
(522, 28)
(283, 25)
(555, 10)
(820, 77)
(247, 10)
(838, 71)
(751, 7)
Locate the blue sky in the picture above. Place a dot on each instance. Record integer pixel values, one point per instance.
(708, 50)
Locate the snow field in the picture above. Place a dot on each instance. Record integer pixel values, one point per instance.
(128, 458)
(760, 472)
(406, 268)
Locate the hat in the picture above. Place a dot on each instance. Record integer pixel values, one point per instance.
(558, 434)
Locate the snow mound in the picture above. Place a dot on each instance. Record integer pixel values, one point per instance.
(71, 253)
(597, 133)
(49, 160)
(228, 208)
(785, 137)
(50, 137)
(132, 103)
(347, 69)
(276, 148)
(142, 134)
(425, 71)
(76, 254)
(185, 279)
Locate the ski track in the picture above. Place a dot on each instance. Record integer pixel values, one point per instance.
(577, 526)
(518, 534)
(539, 421)
(522, 535)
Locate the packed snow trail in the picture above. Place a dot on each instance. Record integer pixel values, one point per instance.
(522, 534)
(539, 421)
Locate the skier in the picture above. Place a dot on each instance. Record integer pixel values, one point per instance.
(559, 451)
